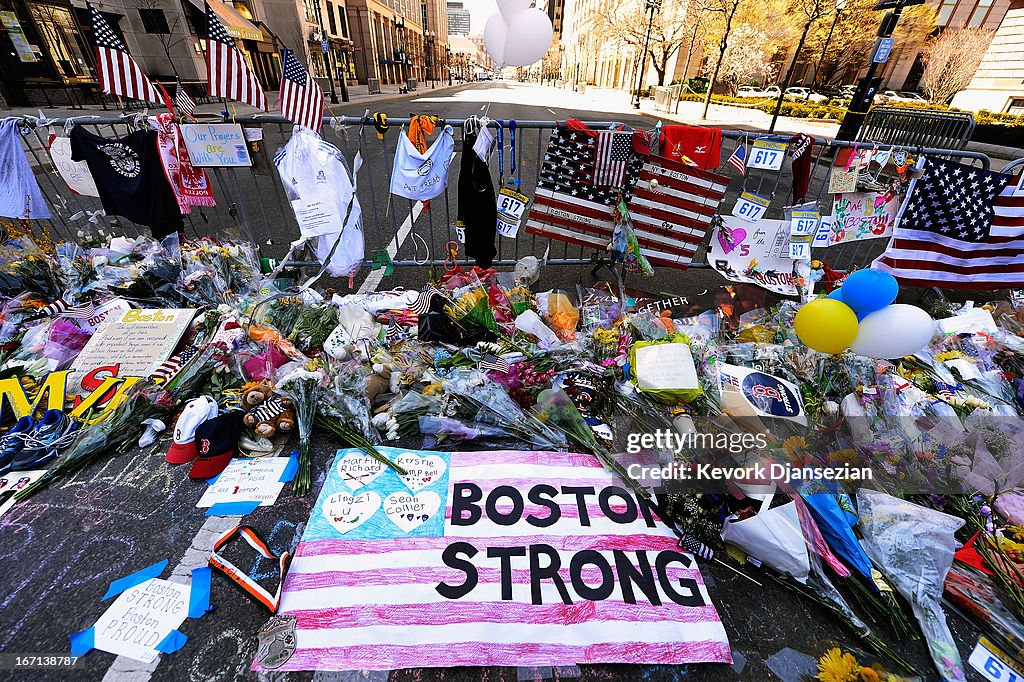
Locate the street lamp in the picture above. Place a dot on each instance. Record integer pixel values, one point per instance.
(400, 32)
(430, 37)
(652, 7)
(448, 62)
(840, 6)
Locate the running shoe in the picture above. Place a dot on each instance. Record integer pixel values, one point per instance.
(53, 432)
(13, 442)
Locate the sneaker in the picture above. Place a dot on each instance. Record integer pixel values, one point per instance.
(13, 442)
(53, 432)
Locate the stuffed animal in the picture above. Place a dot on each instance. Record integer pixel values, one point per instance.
(268, 414)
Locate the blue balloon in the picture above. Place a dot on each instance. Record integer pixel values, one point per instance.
(869, 290)
(837, 295)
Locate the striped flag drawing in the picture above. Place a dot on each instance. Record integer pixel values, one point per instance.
(390, 573)
(227, 73)
(738, 160)
(170, 367)
(960, 227)
(119, 74)
(185, 105)
(494, 363)
(302, 100)
(421, 306)
(612, 154)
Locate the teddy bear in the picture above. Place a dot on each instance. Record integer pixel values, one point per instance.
(266, 413)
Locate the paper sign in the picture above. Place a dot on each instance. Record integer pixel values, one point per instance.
(141, 617)
(111, 307)
(863, 215)
(247, 480)
(16, 33)
(754, 254)
(665, 366)
(750, 207)
(803, 223)
(315, 217)
(12, 482)
(511, 205)
(971, 322)
(216, 144)
(75, 173)
(767, 155)
(137, 341)
(823, 233)
(993, 663)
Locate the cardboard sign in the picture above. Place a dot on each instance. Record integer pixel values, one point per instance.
(750, 207)
(75, 173)
(863, 215)
(767, 395)
(474, 557)
(141, 617)
(767, 155)
(137, 340)
(247, 480)
(754, 254)
(216, 144)
(511, 206)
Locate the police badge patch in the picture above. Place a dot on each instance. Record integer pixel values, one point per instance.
(276, 642)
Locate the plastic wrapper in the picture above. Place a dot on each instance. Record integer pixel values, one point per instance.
(913, 547)
(559, 314)
(665, 369)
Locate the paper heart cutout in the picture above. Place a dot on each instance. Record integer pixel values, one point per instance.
(347, 512)
(731, 238)
(409, 512)
(420, 471)
(358, 469)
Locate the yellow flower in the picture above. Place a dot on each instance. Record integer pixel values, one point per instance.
(848, 457)
(869, 675)
(794, 443)
(949, 355)
(835, 666)
(433, 389)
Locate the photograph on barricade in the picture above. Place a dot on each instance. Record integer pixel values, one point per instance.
(490, 389)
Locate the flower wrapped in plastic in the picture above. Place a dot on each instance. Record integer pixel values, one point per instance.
(469, 306)
(302, 382)
(215, 272)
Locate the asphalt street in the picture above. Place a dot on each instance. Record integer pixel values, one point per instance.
(61, 550)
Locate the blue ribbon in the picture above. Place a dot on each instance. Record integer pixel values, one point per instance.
(501, 152)
(83, 642)
(174, 640)
(199, 596)
(292, 468)
(137, 578)
(512, 140)
(240, 508)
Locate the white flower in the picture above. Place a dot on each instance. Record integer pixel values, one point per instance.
(379, 420)
(99, 261)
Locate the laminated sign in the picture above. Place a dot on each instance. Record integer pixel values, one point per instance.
(767, 395)
(511, 206)
(767, 155)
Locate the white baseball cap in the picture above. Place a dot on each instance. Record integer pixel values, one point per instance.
(197, 411)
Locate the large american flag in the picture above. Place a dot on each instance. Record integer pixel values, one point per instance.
(227, 74)
(614, 150)
(961, 227)
(302, 100)
(670, 217)
(119, 74)
(380, 578)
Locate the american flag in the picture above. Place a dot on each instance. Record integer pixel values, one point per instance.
(119, 73)
(302, 100)
(494, 363)
(61, 308)
(170, 367)
(738, 160)
(391, 573)
(227, 74)
(961, 227)
(421, 306)
(614, 150)
(184, 104)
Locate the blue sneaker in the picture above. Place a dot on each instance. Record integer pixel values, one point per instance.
(53, 432)
(13, 442)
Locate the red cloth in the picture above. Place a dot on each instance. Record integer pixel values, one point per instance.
(969, 555)
(702, 146)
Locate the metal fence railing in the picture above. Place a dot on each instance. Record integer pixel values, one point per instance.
(918, 127)
(251, 203)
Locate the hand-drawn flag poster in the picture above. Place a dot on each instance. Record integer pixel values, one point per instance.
(863, 215)
(491, 559)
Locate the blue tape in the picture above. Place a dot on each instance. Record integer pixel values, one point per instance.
(211, 481)
(83, 642)
(199, 596)
(136, 578)
(293, 467)
(232, 508)
(174, 640)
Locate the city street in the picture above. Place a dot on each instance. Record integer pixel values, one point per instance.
(60, 551)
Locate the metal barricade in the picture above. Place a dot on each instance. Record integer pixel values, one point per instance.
(665, 96)
(252, 204)
(412, 84)
(918, 127)
(373, 86)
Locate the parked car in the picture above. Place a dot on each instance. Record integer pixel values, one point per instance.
(894, 97)
(806, 94)
(772, 91)
(751, 91)
(847, 91)
(909, 96)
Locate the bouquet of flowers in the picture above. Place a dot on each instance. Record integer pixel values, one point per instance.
(302, 382)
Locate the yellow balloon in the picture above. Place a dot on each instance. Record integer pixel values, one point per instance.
(826, 325)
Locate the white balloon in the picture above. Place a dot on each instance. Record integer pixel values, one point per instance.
(511, 8)
(495, 33)
(893, 332)
(529, 37)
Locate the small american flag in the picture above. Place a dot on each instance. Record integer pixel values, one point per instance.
(170, 367)
(61, 308)
(227, 74)
(395, 332)
(960, 227)
(493, 363)
(421, 306)
(185, 105)
(738, 160)
(302, 100)
(119, 74)
(613, 152)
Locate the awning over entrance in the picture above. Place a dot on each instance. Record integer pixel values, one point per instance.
(237, 26)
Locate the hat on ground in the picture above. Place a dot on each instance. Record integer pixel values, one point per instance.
(183, 449)
(216, 440)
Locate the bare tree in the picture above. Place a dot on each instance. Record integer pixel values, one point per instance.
(747, 58)
(727, 8)
(172, 32)
(628, 24)
(951, 58)
(809, 11)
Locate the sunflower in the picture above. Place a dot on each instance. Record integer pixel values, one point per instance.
(835, 666)
(792, 445)
(869, 675)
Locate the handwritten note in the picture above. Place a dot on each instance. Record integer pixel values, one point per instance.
(137, 340)
(216, 144)
(247, 480)
(75, 173)
(141, 617)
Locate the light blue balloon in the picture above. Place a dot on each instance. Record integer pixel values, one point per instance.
(869, 290)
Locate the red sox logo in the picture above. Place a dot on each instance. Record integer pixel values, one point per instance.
(204, 446)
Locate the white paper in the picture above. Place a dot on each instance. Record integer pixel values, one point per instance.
(75, 173)
(973, 321)
(12, 482)
(767, 155)
(111, 307)
(141, 617)
(750, 207)
(665, 366)
(754, 254)
(316, 217)
(247, 480)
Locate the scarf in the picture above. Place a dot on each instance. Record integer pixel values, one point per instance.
(191, 185)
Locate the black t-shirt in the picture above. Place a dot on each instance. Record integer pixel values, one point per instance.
(130, 178)
(477, 207)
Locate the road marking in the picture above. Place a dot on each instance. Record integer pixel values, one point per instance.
(552, 111)
(372, 280)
